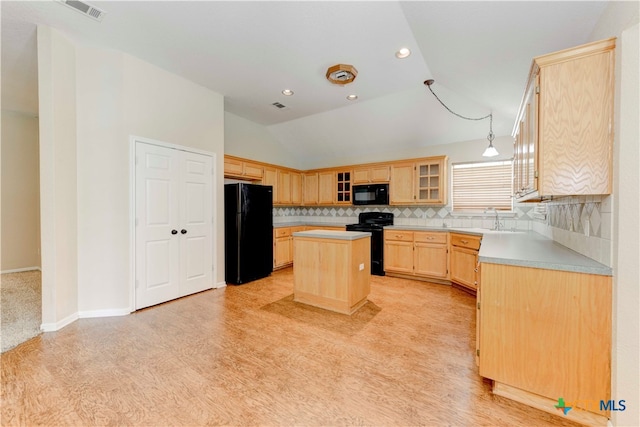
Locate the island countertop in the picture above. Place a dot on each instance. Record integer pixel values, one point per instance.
(333, 234)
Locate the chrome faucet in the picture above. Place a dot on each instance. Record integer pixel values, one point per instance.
(496, 224)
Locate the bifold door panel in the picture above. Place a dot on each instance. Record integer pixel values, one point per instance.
(174, 230)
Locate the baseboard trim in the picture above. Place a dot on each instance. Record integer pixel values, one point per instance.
(104, 313)
(221, 285)
(548, 405)
(52, 327)
(20, 270)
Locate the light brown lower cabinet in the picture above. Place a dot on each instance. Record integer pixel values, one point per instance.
(416, 253)
(282, 247)
(464, 259)
(546, 334)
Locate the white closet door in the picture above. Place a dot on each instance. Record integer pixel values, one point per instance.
(174, 230)
(158, 219)
(196, 253)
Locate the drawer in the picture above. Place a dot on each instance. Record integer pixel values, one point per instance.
(465, 241)
(406, 236)
(282, 232)
(298, 228)
(430, 237)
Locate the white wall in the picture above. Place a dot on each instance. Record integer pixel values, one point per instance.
(626, 297)
(250, 140)
(20, 193)
(621, 20)
(58, 180)
(118, 96)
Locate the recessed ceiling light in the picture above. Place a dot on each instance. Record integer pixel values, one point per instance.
(403, 53)
(352, 97)
(287, 92)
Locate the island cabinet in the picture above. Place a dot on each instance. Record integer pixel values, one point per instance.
(371, 174)
(564, 127)
(332, 269)
(419, 182)
(546, 334)
(418, 254)
(283, 242)
(464, 259)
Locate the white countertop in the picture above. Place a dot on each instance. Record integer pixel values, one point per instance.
(333, 234)
(525, 249)
(535, 250)
(308, 224)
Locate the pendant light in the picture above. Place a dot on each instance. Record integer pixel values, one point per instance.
(491, 150)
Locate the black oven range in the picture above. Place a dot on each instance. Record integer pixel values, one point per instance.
(374, 223)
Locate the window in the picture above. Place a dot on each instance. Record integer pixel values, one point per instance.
(478, 186)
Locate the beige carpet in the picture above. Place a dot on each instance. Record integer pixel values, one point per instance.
(20, 308)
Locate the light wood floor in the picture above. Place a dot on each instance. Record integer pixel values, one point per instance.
(249, 355)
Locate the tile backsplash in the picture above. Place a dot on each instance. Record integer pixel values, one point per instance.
(407, 215)
(582, 224)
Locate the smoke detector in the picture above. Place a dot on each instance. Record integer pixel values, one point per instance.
(341, 74)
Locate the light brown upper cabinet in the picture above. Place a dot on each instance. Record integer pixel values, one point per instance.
(371, 174)
(238, 168)
(284, 187)
(270, 177)
(564, 128)
(419, 182)
(310, 189)
(296, 188)
(326, 187)
(343, 187)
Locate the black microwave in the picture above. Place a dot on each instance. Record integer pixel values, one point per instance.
(371, 194)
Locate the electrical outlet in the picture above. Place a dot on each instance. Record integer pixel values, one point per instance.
(586, 227)
(570, 223)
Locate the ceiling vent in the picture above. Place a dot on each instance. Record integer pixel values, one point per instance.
(280, 106)
(84, 8)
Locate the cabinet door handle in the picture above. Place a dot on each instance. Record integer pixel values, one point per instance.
(430, 238)
(174, 231)
(183, 231)
(464, 241)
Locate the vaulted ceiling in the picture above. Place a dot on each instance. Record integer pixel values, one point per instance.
(478, 52)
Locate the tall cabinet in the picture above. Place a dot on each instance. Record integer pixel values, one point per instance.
(564, 128)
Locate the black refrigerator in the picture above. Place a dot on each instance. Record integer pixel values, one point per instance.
(248, 226)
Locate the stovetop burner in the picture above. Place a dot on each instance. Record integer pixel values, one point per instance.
(374, 219)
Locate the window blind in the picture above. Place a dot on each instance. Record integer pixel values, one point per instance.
(478, 186)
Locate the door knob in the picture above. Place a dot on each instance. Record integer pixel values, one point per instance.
(174, 231)
(183, 231)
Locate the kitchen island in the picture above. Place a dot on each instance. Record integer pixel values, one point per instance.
(332, 269)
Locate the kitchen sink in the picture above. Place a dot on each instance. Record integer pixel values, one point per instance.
(509, 231)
